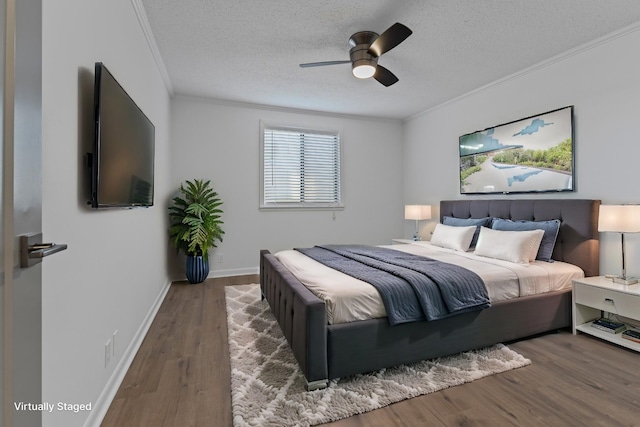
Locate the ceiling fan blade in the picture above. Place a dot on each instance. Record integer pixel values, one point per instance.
(385, 76)
(322, 64)
(391, 38)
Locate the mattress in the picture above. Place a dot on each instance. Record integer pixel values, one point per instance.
(348, 299)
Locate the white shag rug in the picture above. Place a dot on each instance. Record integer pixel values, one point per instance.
(268, 388)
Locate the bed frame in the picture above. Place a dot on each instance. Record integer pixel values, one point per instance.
(328, 351)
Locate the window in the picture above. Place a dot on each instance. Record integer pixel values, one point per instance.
(300, 168)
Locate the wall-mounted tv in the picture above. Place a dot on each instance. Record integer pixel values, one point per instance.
(123, 147)
(530, 155)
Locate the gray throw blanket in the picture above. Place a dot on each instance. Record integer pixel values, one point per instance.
(412, 287)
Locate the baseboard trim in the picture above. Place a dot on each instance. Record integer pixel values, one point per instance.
(234, 272)
(111, 388)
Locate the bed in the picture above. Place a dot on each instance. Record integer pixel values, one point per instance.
(326, 351)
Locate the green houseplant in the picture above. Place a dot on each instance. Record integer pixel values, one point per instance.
(195, 225)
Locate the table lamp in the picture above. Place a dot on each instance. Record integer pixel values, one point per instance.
(417, 213)
(620, 219)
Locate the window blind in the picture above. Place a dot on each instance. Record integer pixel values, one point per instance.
(301, 168)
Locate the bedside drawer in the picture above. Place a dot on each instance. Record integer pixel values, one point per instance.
(608, 300)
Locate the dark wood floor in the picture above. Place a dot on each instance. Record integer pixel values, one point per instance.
(181, 377)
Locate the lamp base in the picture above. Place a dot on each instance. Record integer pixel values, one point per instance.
(626, 280)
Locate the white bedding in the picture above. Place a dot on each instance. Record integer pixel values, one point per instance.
(348, 299)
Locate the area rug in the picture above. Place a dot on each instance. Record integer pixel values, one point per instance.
(268, 388)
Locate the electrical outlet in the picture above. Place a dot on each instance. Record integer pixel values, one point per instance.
(108, 350)
(220, 258)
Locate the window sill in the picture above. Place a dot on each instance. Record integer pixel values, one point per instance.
(286, 207)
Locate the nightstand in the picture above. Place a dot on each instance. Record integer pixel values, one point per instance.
(592, 296)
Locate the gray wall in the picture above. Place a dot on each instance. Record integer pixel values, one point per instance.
(115, 269)
(600, 80)
(220, 142)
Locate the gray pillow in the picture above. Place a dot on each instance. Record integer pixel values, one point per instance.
(550, 229)
(465, 222)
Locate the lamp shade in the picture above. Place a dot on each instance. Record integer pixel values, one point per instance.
(619, 218)
(417, 212)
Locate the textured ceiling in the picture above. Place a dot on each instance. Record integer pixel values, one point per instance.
(249, 50)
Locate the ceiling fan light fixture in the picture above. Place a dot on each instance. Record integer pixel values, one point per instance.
(366, 48)
(363, 64)
(363, 71)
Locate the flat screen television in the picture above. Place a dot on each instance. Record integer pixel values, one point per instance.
(530, 155)
(123, 147)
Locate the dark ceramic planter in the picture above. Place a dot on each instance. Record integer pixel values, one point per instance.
(197, 269)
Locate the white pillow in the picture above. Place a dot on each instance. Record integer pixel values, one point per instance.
(456, 238)
(519, 247)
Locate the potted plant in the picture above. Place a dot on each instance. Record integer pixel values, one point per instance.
(195, 226)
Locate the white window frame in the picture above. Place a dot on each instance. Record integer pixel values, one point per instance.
(299, 205)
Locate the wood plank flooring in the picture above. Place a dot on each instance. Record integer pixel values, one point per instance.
(181, 377)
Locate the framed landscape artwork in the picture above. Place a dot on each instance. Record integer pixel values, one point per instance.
(534, 154)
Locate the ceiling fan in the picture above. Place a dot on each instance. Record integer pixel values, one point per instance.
(366, 49)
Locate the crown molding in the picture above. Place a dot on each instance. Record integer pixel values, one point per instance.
(141, 14)
(608, 38)
(240, 104)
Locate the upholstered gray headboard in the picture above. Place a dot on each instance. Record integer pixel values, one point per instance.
(578, 240)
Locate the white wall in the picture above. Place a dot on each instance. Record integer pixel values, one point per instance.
(221, 142)
(600, 80)
(116, 264)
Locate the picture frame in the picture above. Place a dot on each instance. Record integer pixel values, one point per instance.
(530, 155)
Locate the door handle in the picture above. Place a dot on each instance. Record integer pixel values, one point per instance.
(32, 250)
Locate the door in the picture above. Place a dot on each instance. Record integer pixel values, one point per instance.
(5, 363)
(21, 30)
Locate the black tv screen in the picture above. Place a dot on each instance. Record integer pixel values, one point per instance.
(124, 146)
